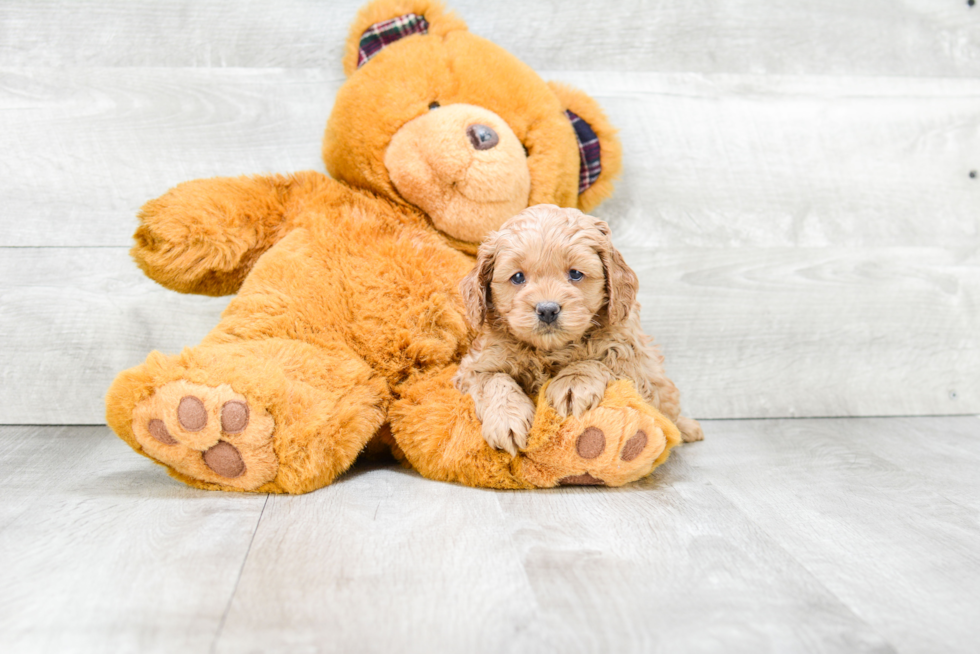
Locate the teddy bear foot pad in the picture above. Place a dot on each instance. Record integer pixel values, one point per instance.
(610, 445)
(591, 444)
(208, 433)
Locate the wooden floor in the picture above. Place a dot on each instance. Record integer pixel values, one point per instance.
(820, 535)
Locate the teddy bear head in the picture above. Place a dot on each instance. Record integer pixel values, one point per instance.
(433, 116)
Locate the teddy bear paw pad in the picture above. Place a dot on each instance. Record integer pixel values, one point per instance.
(212, 434)
(607, 446)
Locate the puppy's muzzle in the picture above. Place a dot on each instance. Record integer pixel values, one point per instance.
(547, 311)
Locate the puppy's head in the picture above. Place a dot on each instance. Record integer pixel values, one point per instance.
(547, 276)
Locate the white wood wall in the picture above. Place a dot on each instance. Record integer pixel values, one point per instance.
(797, 195)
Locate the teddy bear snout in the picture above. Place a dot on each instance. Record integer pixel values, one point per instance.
(464, 166)
(482, 137)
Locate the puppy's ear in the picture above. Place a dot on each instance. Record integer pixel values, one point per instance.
(621, 281)
(475, 287)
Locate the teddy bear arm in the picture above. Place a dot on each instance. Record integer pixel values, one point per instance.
(203, 236)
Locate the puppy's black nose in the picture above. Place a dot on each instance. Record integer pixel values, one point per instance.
(547, 311)
(482, 137)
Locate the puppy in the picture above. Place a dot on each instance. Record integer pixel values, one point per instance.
(555, 300)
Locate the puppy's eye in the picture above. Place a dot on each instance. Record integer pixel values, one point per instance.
(517, 279)
(434, 105)
(575, 275)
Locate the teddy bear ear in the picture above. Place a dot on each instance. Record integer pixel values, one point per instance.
(383, 22)
(600, 152)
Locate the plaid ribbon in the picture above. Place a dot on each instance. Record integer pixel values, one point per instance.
(387, 32)
(590, 165)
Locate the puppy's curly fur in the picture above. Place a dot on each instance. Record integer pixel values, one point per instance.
(555, 301)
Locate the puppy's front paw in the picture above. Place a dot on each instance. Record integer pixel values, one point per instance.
(507, 416)
(573, 391)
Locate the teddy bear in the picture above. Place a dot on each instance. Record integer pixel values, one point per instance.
(347, 324)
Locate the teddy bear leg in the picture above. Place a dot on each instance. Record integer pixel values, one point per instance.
(274, 415)
(437, 431)
(621, 440)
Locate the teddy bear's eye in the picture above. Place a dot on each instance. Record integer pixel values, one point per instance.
(517, 278)
(526, 153)
(434, 105)
(575, 275)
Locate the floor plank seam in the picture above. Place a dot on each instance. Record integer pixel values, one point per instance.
(912, 471)
(238, 578)
(774, 541)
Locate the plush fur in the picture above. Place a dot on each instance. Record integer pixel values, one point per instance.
(544, 256)
(348, 322)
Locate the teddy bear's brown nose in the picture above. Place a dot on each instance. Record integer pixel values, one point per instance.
(482, 137)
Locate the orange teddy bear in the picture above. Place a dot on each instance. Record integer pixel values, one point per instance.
(348, 322)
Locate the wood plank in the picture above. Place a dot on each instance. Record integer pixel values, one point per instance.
(943, 453)
(103, 552)
(710, 161)
(381, 561)
(72, 319)
(784, 332)
(875, 37)
(388, 561)
(771, 161)
(84, 149)
(747, 333)
(883, 538)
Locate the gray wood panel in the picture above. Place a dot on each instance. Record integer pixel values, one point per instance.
(747, 332)
(847, 513)
(769, 536)
(766, 161)
(716, 161)
(83, 149)
(103, 552)
(400, 563)
(944, 455)
(796, 332)
(873, 37)
(73, 318)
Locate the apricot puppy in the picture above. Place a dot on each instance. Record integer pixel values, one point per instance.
(555, 300)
